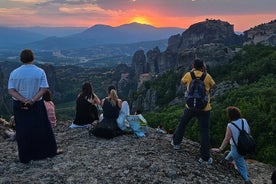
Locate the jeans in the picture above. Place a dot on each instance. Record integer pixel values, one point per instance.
(239, 161)
(204, 121)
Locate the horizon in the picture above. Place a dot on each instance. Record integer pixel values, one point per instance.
(158, 13)
(71, 27)
(90, 26)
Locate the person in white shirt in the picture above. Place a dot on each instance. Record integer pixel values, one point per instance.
(234, 115)
(34, 134)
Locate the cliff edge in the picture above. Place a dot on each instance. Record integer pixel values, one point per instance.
(124, 159)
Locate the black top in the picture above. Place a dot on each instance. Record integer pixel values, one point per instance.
(86, 112)
(109, 111)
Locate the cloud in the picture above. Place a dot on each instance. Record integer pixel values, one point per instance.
(194, 7)
(116, 12)
(28, 1)
(87, 9)
(16, 11)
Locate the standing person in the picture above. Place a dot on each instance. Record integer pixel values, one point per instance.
(108, 127)
(203, 115)
(232, 133)
(50, 107)
(86, 107)
(34, 134)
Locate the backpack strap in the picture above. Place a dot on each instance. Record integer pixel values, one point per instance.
(202, 77)
(237, 126)
(192, 75)
(238, 129)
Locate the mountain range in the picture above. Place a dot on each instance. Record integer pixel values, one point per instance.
(95, 35)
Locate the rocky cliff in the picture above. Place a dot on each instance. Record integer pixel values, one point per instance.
(209, 31)
(209, 40)
(124, 159)
(264, 34)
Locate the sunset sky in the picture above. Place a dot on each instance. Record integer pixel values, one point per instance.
(243, 14)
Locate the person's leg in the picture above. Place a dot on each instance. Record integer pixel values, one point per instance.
(229, 160)
(240, 163)
(204, 121)
(180, 130)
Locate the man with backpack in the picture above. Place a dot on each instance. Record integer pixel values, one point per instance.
(197, 98)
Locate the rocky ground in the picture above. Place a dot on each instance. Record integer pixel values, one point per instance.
(124, 159)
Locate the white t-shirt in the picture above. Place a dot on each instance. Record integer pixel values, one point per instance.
(27, 79)
(235, 131)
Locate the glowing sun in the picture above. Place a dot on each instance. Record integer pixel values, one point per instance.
(141, 20)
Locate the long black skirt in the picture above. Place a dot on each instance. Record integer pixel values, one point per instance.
(107, 128)
(34, 133)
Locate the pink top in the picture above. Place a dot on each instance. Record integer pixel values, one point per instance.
(50, 107)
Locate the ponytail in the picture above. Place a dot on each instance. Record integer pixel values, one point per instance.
(113, 97)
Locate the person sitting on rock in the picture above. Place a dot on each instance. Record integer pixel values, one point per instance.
(86, 107)
(108, 127)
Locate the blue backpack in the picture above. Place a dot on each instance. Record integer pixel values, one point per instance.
(196, 97)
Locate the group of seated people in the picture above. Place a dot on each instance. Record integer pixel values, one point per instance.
(113, 120)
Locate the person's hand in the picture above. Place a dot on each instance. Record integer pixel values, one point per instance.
(29, 102)
(90, 100)
(216, 149)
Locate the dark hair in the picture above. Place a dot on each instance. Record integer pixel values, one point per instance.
(87, 91)
(47, 96)
(233, 113)
(110, 88)
(198, 64)
(26, 56)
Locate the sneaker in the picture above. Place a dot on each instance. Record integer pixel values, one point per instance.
(176, 147)
(208, 162)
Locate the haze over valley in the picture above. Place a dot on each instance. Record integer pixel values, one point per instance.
(95, 45)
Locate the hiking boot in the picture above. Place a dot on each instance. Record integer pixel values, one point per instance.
(175, 146)
(208, 162)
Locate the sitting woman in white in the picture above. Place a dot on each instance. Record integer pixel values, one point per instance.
(121, 120)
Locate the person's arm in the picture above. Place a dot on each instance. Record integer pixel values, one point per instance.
(38, 95)
(212, 82)
(102, 102)
(24, 100)
(185, 78)
(96, 100)
(12, 92)
(120, 103)
(50, 107)
(225, 141)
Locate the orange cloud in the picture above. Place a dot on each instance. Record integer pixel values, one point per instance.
(16, 11)
(29, 1)
(86, 8)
